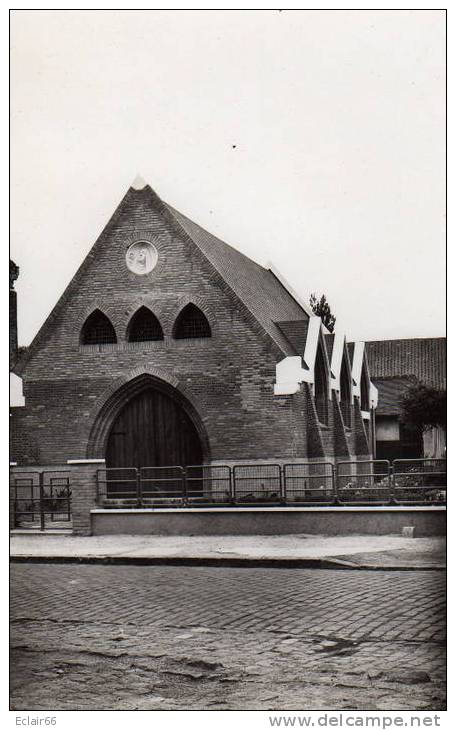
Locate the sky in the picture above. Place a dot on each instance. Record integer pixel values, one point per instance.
(314, 140)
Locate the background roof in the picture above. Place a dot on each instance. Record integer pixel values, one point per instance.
(390, 391)
(395, 365)
(423, 358)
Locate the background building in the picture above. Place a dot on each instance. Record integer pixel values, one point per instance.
(395, 365)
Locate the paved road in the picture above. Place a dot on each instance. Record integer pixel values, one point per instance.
(152, 637)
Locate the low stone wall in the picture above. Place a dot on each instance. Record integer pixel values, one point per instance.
(428, 521)
(332, 520)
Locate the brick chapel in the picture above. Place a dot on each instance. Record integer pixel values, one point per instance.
(170, 347)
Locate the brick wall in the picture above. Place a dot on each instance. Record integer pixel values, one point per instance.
(361, 439)
(83, 491)
(228, 378)
(341, 447)
(24, 448)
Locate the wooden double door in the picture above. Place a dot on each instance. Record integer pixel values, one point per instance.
(153, 429)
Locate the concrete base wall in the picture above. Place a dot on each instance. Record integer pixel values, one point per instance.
(428, 521)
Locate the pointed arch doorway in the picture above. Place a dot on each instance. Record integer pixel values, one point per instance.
(153, 429)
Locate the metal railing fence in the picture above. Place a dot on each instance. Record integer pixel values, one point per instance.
(162, 484)
(257, 484)
(42, 499)
(350, 483)
(363, 482)
(209, 484)
(117, 484)
(308, 483)
(418, 481)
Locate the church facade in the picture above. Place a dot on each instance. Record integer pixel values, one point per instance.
(169, 347)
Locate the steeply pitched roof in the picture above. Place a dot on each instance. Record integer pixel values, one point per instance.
(267, 299)
(258, 288)
(390, 392)
(296, 333)
(425, 359)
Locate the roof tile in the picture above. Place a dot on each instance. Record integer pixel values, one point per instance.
(263, 294)
(423, 358)
(390, 392)
(296, 333)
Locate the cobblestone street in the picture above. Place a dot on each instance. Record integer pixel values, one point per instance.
(94, 637)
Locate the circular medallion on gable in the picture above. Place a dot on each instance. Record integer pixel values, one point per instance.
(141, 257)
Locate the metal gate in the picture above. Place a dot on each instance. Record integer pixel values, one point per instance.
(41, 500)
